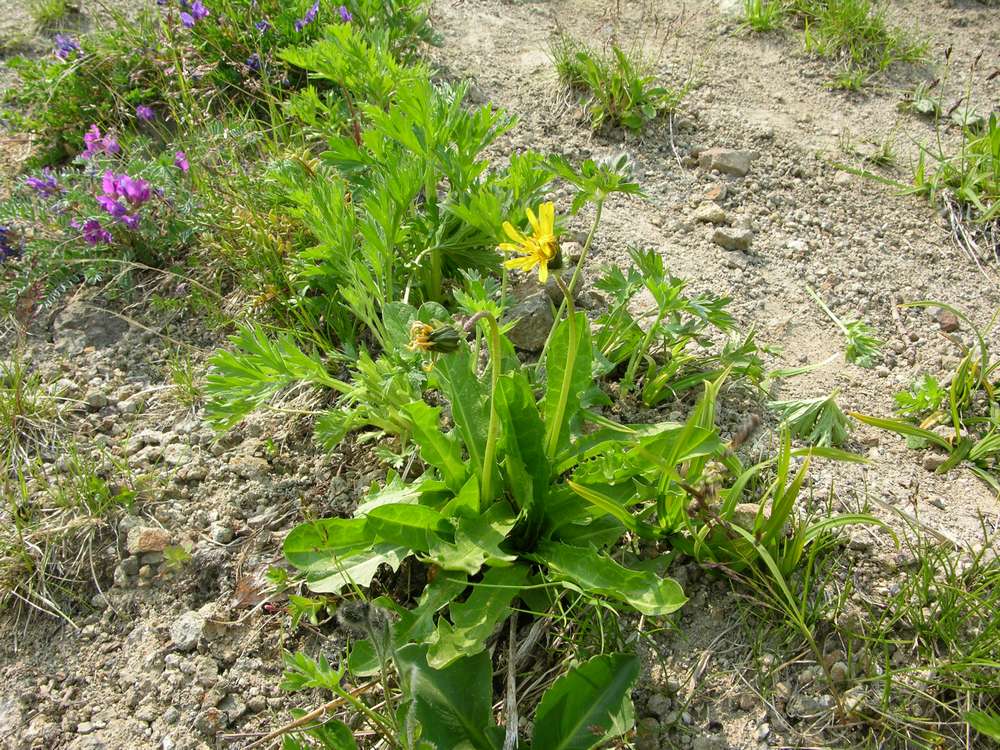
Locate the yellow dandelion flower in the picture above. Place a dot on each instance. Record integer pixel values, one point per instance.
(540, 248)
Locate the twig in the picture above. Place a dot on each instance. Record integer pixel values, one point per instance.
(510, 738)
(311, 716)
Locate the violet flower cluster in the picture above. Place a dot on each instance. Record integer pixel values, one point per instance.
(134, 191)
(145, 113)
(7, 250)
(45, 185)
(193, 14)
(308, 18)
(65, 46)
(93, 233)
(95, 143)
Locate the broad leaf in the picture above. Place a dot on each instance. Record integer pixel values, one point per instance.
(414, 526)
(559, 369)
(588, 705)
(473, 621)
(469, 401)
(311, 546)
(437, 448)
(452, 705)
(592, 572)
(355, 570)
(477, 542)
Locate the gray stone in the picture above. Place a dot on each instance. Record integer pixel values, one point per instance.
(727, 161)
(809, 707)
(249, 467)
(233, 706)
(947, 320)
(220, 533)
(186, 630)
(840, 672)
(933, 460)
(177, 454)
(534, 321)
(79, 325)
(732, 238)
(95, 400)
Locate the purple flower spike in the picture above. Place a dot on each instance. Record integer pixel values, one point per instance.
(65, 46)
(131, 221)
(114, 209)
(345, 14)
(188, 20)
(308, 18)
(94, 233)
(145, 113)
(262, 26)
(198, 10)
(181, 162)
(253, 62)
(95, 143)
(45, 185)
(134, 190)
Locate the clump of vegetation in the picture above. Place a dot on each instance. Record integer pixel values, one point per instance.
(961, 417)
(618, 87)
(853, 34)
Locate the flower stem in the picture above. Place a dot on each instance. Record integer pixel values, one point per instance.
(569, 291)
(554, 428)
(486, 483)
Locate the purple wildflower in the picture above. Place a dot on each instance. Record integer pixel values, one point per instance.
(130, 220)
(345, 14)
(114, 208)
(45, 185)
(7, 250)
(93, 232)
(65, 45)
(134, 190)
(188, 20)
(95, 143)
(198, 10)
(308, 18)
(263, 26)
(253, 62)
(145, 113)
(181, 162)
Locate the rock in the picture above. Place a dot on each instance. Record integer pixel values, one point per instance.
(177, 454)
(709, 213)
(95, 400)
(79, 325)
(947, 320)
(933, 460)
(809, 707)
(233, 706)
(732, 239)
(647, 734)
(716, 192)
(130, 566)
(763, 731)
(659, 705)
(186, 630)
(534, 321)
(736, 163)
(734, 10)
(709, 742)
(249, 467)
(552, 288)
(840, 673)
(220, 533)
(143, 539)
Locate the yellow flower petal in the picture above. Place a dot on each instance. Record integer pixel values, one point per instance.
(547, 218)
(513, 233)
(543, 272)
(533, 221)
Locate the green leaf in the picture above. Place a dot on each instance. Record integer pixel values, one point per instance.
(903, 428)
(819, 421)
(561, 409)
(477, 542)
(452, 705)
(356, 570)
(526, 467)
(438, 449)
(985, 723)
(588, 705)
(417, 624)
(469, 401)
(605, 503)
(595, 573)
(473, 621)
(310, 546)
(413, 526)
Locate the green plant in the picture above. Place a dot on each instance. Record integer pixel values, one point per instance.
(619, 88)
(967, 406)
(764, 15)
(863, 348)
(672, 344)
(439, 709)
(48, 13)
(29, 411)
(818, 421)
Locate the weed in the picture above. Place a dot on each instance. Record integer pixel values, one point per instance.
(48, 13)
(764, 15)
(619, 88)
(818, 421)
(184, 374)
(29, 412)
(863, 348)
